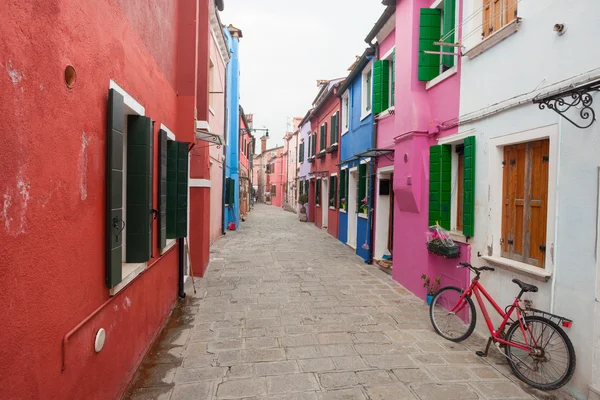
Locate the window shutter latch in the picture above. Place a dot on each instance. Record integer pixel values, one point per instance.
(545, 159)
(543, 248)
(510, 242)
(116, 222)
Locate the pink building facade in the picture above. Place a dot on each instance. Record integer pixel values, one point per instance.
(425, 113)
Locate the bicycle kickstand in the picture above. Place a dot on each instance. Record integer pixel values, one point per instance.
(487, 348)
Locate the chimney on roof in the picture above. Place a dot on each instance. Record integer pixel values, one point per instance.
(250, 119)
(263, 144)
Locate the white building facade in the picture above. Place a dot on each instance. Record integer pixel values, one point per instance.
(537, 173)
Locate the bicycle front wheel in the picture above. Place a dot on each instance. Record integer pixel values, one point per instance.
(550, 362)
(452, 317)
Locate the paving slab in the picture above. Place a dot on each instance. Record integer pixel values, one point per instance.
(287, 312)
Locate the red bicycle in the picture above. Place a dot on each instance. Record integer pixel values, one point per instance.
(538, 350)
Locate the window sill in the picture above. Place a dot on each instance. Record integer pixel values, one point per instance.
(343, 211)
(441, 78)
(169, 245)
(362, 117)
(512, 265)
(458, 236)
(346, 131)
(387, 113)
(130, 271)
(318, 205)
(493, 39)
(362, 215)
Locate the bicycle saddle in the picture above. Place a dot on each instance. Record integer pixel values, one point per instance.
(526, 287)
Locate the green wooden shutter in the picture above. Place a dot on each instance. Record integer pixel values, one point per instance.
(362, 185)
(393, 72)
(229, 191)
(162, 189)
(469, 187)
(301, 153)
(323, 136)
(448, 31)
(114, 188)
(332, 131)
(381, 90)
(177, 188)
(182, 189)
(139, 189)
(430, 31)
(440, 185)
(318, 192)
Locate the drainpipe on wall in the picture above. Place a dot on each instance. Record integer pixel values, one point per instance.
(181, 267)
(373, 176)
(225, 128)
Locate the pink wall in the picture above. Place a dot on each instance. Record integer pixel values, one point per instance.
(277, 178)
(216, 120)
(418, 113)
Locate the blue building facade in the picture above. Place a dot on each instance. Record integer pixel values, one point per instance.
(231, 205)
(355, 221)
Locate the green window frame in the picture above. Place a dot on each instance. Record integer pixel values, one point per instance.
(323, 137)
(429, 32)
(393, 79)
(177, 189)
(343, 190)
(469, 187)
(332, 191)
(301, 153)
(440, 185)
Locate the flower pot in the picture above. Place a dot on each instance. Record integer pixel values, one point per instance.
(429, 299)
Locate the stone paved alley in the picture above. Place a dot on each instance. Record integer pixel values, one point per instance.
(287, 312)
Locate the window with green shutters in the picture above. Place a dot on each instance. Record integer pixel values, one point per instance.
(129, 209)
(301, 153)
(229, 191)
(335, 127)
(436, 25)
(332, 190)
(343, 191)
(381, 88)
(162, 189)
(323, 137)
(440, 185)
(430, 26)
(306, 185)
(314, 144)
(177, 189)
(318, 192)
(362, 202)
(309, 146)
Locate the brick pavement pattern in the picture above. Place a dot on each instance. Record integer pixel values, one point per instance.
(287, 312)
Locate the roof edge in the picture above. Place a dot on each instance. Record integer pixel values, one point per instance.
(369, 51)
(387, 13)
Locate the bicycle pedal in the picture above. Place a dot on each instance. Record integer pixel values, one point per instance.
(481, 353)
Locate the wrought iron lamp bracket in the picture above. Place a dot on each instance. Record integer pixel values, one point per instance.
(580, 98)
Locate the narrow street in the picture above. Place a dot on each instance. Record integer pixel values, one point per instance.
(288, 312)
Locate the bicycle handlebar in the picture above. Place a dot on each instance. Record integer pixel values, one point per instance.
(468, 265)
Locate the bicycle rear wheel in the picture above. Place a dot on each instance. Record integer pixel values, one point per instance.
(451, 317)
(551, 364)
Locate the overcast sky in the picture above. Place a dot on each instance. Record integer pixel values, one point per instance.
(288, 45)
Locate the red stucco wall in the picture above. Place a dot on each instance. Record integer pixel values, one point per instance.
(52, 185)
(327, 163)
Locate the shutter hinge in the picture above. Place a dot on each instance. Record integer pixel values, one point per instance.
(545, 158)
(503, 163)
(543, 248)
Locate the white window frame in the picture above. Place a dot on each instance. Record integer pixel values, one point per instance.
(496, 155)
(129, 271)
(345, 112)
(389, 57)
(366, 76)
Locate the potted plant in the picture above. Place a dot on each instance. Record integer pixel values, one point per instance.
(364, 207)
(440, 243)
(430, 286)
(303, 200)
(343, 202)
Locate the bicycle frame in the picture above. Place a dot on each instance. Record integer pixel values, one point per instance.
(478, 289)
